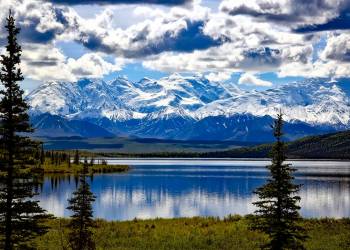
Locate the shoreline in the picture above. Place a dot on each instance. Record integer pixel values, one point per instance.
(217, 159)
(76, 169)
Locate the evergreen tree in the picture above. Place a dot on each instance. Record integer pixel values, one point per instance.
(68, 159)
(37, 154)
(92, 161)
(55, 158)
(85, 161)
(20, 216)
(76, 157)
(277, 213)
(42, 154)
(52, 157)
(80, 236)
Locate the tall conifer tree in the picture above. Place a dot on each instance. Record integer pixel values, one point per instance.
(76, 157)
(20, 216)
(277, 213)
(80, 237)
(42, 154)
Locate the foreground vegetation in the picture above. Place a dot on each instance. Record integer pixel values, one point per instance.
(194, 233)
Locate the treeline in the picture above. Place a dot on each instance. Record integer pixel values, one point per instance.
(261, 151)
(328, 146)
(55, 158)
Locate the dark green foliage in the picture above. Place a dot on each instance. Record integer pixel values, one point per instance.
(76, 157)
(80, 236)
(42, 154)
(68, 161)
(328, 146)
(92, 161)
(52, 157)
(20, 218)
(277, 213)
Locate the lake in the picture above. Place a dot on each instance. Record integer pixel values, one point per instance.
(171, 188)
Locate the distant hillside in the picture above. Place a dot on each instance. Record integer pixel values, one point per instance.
(132, 146)
(328, 146)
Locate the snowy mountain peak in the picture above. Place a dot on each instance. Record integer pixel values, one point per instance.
(316, 102)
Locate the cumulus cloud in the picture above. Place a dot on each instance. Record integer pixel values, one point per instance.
(179, 30)
(333, 61)
(299, 14)
(40, 22)
(45, 62)
(328, 69)
(251, 46)
(229, 58)
(44, 23)
(151, 39)
(250, 79)
(92, 65)
(337, 48)
(245, 36)
(105, 2)
(218, 76)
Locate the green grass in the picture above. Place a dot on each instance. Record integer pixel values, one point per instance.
(194, 233)
(63, 168)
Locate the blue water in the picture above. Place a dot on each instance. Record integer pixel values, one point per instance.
(185, 188)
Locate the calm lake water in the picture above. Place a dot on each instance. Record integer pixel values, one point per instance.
(185, 188)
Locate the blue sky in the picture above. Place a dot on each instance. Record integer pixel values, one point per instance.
(256, 44)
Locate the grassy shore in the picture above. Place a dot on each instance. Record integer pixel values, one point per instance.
(194, 234)
(64, 168)
(74, 169)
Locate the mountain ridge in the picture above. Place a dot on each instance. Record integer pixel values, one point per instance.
(192, 107)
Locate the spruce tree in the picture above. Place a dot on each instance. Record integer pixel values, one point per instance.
(80, 236)
(52, 159)
(92, 161)
(42, 154)
(68, 161)
(21, 217)
(278, 209)
(76, 158)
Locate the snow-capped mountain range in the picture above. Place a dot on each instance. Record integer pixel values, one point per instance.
(179, 107)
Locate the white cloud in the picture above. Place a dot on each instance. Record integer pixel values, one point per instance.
(148, 12)
(254, 42)
(92, 65)
(218, 76)
(332, 62)
(292, 13)
(45, 62)
(231, 58)
(337, 48)
(249, 79)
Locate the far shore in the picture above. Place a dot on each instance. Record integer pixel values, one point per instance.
(121, 159)
(216, 159)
